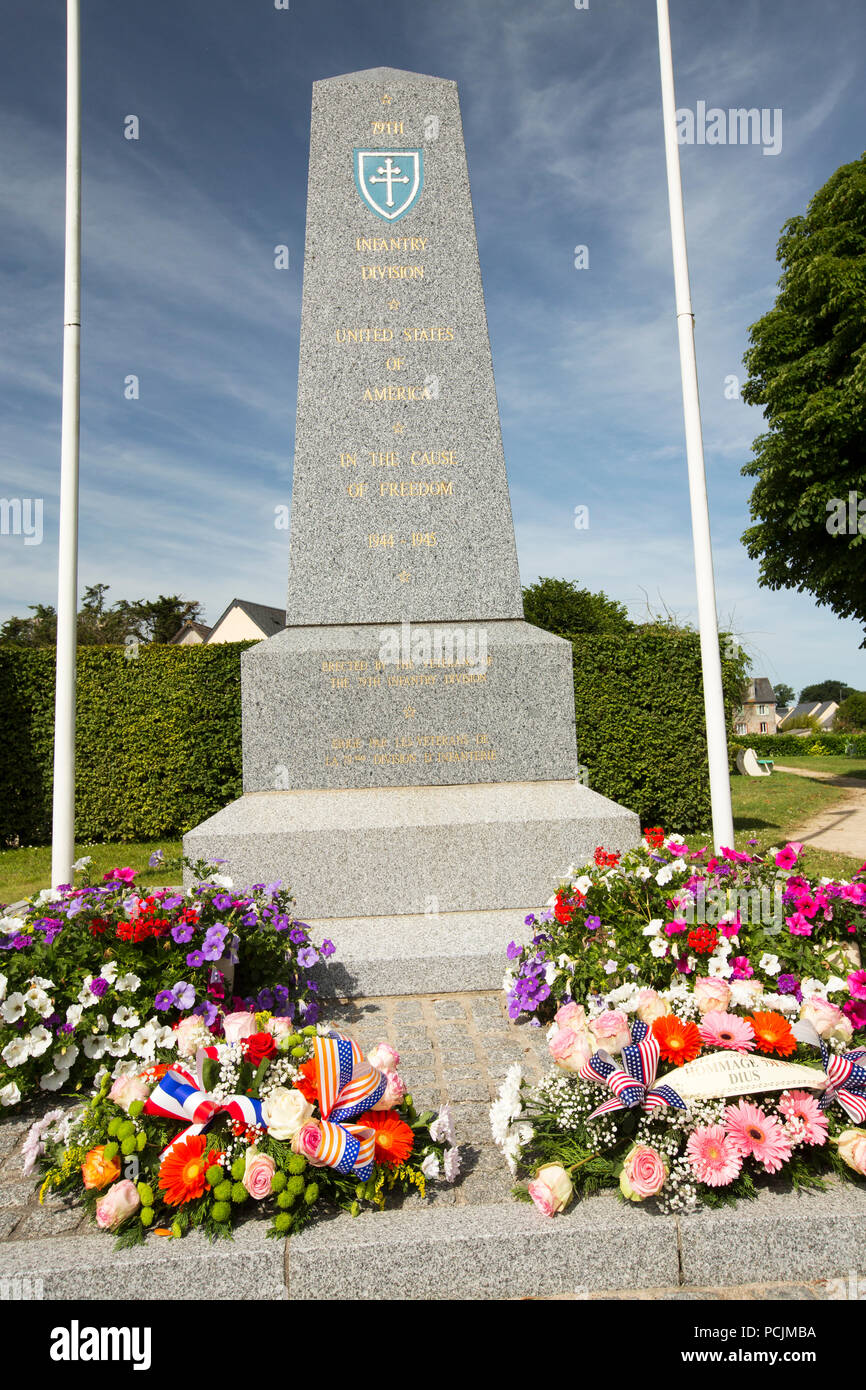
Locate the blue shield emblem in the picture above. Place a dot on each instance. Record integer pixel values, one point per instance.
(389, 182)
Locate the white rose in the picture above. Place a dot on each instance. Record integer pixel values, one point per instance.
(9, 1094)
(285, 1112)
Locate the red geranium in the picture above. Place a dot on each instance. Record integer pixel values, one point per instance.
(654, 836)
(703, 940)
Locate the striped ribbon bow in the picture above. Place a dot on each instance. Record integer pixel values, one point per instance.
(846, 1074)
(633, 1083)
(348, 1086)
(180, 1096)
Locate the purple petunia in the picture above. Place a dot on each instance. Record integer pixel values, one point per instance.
(163, 1000)
(182, 932)
(98, 986)
(174, 901)
(513, 950)
(307, 956)
(221, 901)
(195, 959)
(593, 923)
(297, 936)
(183, 995)
(328, 947)
(530, 920)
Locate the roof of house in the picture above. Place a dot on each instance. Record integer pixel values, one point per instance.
(815, 709)
(760, 692)
(189, 626)
(268, 620)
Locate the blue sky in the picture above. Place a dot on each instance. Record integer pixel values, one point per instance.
(562, 117)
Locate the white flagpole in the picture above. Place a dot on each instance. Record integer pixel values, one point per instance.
(714, 703)
(63, 826)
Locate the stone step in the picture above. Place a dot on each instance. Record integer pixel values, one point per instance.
(445, 953)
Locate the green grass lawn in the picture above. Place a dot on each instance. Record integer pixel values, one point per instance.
(843, 767)
(24, 871)
(768, 809)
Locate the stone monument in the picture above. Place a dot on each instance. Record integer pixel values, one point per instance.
(409, 754)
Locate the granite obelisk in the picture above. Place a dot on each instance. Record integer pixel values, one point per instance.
(409, 745)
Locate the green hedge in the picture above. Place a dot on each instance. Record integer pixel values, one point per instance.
(639, 705)
(159, 736)
(789, 745)
(158, 744)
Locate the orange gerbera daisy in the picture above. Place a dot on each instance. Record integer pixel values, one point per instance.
(306, 1081)
(773, 1033)
(394, 1138)
(182, 1173)
(679, 1042)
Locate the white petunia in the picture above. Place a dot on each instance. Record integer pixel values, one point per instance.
(430, 1166)
(222, 881)
(658, 947)
(164, 1037)
(11, 926)
(119, 1047)
(39, 1041)
(53, 1080)
(82, 863)
(653, 928)
(125, 1017)
(13, 1008)
(73, 1014)
(49, 895)
(642, 872)
(128, 982)
(9, 1094)
(109, 971)
(65, 1057)
(664, 875)
(142, 1043)
(769, 963)
(94, 1047)
(550, 972)
(582, 884)
(3, 983)
(812, 986)
(15, 1053)
(38, 1000)
(718, 968)
(835, 986)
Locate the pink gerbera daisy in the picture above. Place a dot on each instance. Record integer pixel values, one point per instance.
(757, 1134)
(727, 1030)
(806, 1122)
(715, 1158)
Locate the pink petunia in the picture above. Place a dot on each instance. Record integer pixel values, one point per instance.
(741, 969)
(857, 984)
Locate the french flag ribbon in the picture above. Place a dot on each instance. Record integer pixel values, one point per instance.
(348, 1086)
(179, 1096)
(633, 1083)
(845, 1072)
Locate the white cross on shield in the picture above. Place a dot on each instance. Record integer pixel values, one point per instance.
(389, 181)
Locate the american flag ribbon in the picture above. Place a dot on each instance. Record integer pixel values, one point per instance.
(846, 1077)
(348, 1086)
(633, 1083)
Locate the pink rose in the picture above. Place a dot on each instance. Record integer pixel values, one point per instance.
(571, 1016)
(189, 1035)
(644, 1173)
(280, 1026)
(610, 1031)
(239, 1025)
(258, 1174)
(712, 995)
(307, 1143)
(828, 1021)
(120, 1201)
(651, 1006)
(126, 1089)
(551, 1189)
(569, 1049)
(383, 1057)
(852, 1148)
(394, 1092)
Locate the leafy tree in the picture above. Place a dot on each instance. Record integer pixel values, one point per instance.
(148, 620)
(807, 368)
(558, 606)
(826, 690)
(784, 693)
(851, 715)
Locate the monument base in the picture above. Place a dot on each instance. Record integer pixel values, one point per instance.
(413, 852)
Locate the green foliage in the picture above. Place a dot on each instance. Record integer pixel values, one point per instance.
(559, 606)
(788, 745)
(851, 715)
(145, 620)
(784, 693)
(807, 368)
(826, 690)
(639, 707)
(158, 744)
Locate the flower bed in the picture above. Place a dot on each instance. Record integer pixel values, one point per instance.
(708, 1014)
(102, 977)
(270, 1119)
